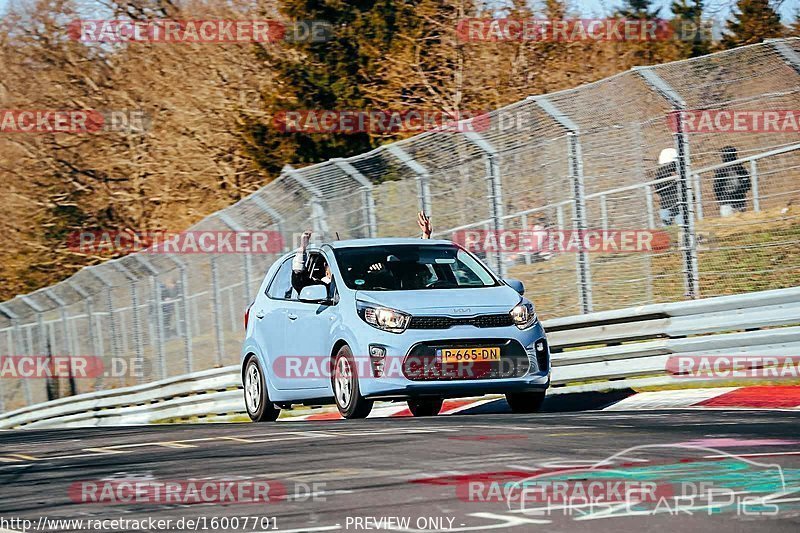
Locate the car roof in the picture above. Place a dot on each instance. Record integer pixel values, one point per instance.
(350, 243)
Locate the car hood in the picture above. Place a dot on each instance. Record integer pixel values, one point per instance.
(452, 302)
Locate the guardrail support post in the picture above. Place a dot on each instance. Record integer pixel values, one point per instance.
(421, 176)
(579, 221)
(495, 189)
(366, 187)
(685, 189)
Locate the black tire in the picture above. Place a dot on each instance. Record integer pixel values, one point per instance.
(256, 399)
(350, 403)
(425, 406)
(525, 402)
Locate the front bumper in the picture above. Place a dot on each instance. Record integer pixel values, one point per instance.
(395, 384)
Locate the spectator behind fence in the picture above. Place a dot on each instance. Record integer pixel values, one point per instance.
(667, 190)
(731, 184)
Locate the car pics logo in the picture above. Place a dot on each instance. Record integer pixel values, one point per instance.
(624, 485)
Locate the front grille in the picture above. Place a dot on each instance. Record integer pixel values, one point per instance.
(499, 320)
(422, 364)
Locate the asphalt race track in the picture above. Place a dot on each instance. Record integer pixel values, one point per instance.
(434, 474)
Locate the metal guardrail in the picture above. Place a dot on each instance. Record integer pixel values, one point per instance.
(596, 351)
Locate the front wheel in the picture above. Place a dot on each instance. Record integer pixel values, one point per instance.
(256, 399)
(425, 406)
(525, 402)
(346, 391)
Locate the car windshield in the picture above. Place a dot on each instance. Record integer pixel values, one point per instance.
(411, 267)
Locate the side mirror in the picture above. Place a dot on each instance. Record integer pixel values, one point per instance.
(314, 294)
(515, 284)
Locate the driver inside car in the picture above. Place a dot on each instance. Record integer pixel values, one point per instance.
(315, 271)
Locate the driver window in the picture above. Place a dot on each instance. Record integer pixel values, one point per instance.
(281, 286)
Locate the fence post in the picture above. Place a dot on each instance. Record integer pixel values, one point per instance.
(685, 188)
(246, 259)
(15, 342)
(114, 342)
(421, 176)
(274, 215)
(366, 187)
(159, 309)
(69, 345)
(215, 304)
(495, 190)
(754, 181)
(579, 222)
(42, 334)
(187, 321)
(604, 212)
(91, 325)
(318, 218)
(787, 52)
(137, 319)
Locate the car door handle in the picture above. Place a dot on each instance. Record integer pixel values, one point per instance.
(291, 316)
(260, 315)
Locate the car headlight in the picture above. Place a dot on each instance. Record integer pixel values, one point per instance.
(384, 318)
(524, 314)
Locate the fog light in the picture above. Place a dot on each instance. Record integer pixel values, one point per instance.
(377, 356)
(537, 351)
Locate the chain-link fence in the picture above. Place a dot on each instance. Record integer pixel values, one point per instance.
(582, 159)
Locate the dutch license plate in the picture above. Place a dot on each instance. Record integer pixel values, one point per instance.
(469, 355)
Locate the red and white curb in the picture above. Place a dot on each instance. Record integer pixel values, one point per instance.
(450, 407)
(761, 397)
(765, 397)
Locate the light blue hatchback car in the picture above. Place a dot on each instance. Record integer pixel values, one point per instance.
(399, 319)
